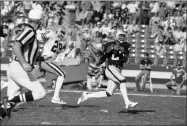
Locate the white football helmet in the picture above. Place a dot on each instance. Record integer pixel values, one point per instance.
(48, 34)
(121, 36)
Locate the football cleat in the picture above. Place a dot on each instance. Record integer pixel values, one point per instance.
(82, 98)
(58, 101)
(131, 105)
(8, 106)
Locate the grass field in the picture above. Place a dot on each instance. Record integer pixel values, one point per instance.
(158, 108)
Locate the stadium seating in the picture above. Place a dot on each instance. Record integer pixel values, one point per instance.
(141, 42)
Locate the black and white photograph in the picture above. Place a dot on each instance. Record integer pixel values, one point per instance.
(93, 62)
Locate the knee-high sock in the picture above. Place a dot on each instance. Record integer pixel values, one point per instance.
(28, 96)
(123, 90)
(58, 87)
(99, 94)
(89, 83)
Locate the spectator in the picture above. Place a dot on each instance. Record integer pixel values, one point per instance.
(97, 28)
(97, 5)
(177, 33)
(133, 10)
(88, 19)
(117, 12)
(183, 36)
(45, 18)
(144, 13)
(107, 5)
(159, 35)
(177, 79)
(97, 16)
(162, 10)
(95, 71)
(162, 21)
(124, 16)
(145, 66)
(27, 6)
(154, 23)
(96, 38)
(170, 4)
(169, 23)
(86, 6)
(124, 5)
(154, 6)
(3, 31)
(169, 40)
(106, 15)
(114, 31)
(79, 16)
(39, 32)
(178, 19)
(133, 28)
(160, 47)
(105, 29)
(37, 5)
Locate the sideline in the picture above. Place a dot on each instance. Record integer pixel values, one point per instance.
(133, 94)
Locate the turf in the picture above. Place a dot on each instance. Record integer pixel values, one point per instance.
(152, 110)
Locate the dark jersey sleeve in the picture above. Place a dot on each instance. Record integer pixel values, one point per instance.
(150, 62)
(107, 45)
(142, 62)
(105, 53)
(127, 47)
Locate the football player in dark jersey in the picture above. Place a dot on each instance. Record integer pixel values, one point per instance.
(116, 53)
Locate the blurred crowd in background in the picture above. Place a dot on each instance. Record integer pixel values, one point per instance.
(99, 21)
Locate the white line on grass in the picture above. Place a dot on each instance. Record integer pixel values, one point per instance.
(118, 93)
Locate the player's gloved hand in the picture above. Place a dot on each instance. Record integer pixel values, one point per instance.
(27, 67)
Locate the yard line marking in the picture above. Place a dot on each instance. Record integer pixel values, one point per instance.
(49, 91)
(133, 94)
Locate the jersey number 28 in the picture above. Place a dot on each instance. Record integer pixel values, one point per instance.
(57, 45)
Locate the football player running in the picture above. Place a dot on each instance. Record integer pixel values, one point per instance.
(53, 46)
(116, 53)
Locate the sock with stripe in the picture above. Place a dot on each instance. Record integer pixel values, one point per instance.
(23, 97)
(99, 94)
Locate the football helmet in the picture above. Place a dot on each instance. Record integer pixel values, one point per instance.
(121, 36)
(48, 34)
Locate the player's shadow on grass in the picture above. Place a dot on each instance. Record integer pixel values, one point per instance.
(77, 106)
(138, 111)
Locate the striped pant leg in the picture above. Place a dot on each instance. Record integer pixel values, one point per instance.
(53, 68)
(114, 74)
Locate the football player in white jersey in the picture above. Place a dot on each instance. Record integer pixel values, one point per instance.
(51, 49)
